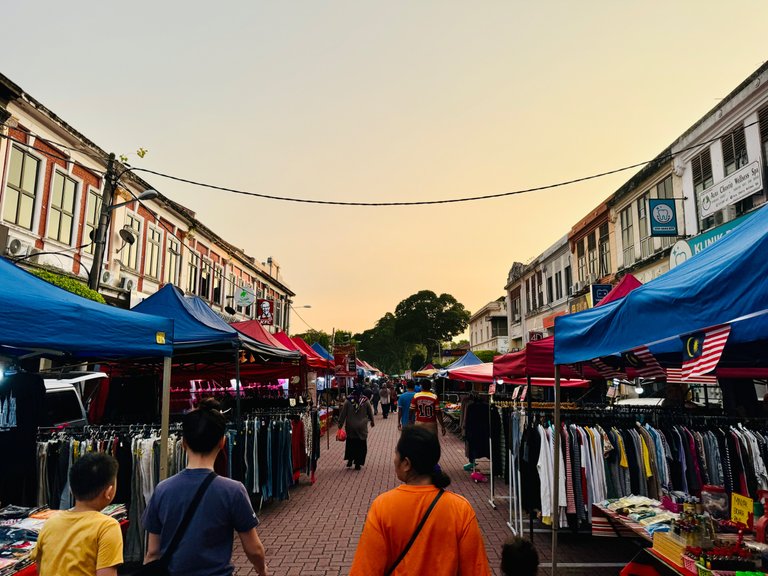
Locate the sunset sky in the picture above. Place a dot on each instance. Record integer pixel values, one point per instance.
(384, 101)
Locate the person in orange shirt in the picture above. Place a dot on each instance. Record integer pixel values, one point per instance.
(449, 542)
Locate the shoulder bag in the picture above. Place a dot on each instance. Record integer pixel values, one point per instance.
(391, 569)
(159, 567)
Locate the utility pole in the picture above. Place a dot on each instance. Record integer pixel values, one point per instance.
(100, 241)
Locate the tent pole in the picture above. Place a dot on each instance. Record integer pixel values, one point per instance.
(237, 390)
(530, 469)
(556, 487)
(165, 417)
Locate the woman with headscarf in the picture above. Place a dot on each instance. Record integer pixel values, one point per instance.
(355, 414)
(419, 527)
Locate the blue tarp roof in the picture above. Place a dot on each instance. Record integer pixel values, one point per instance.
(317, 347)
(726, 283)
(36, 315)
(469, 359)
(196, 324)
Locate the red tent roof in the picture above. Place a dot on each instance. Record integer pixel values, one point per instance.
(475, 373)
(315, 360)
(624, 287)
(255, 330)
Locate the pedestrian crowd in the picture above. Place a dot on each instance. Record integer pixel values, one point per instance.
(418, 528)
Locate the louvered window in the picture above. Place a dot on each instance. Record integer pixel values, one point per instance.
(763, 117)
(701, 166)
(734, 151)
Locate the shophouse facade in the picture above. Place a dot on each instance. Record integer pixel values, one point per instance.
(489, 328)
(52, 182)
(721, 164)
(591, 242)
(637, 251)
(537, 293)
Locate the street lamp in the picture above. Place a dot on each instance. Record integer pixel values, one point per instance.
(100, 239)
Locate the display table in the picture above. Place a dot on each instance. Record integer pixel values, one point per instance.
(607, 523)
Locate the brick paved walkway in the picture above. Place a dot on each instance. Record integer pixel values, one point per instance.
(316, 531)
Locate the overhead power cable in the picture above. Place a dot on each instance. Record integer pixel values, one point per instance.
(666, 157)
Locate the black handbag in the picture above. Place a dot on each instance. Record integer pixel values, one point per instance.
(159, 567)
(415, 534)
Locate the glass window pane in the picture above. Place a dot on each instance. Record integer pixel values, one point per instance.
(58, 184)
(25, 211)
(11, 204)
(69, 197)
(66, 229)
(30, 174)
(14, 173)
(54, 219)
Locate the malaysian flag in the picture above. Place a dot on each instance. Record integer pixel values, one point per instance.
(608, 367)
(702, 351)
(644, 363)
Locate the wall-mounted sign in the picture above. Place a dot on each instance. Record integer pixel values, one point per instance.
(663, 216)
(579, 304)
(684, 249)
(599, 291)
(244, 296)
(265, 312)
(744, 182)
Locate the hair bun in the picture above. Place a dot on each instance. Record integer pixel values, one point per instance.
(209, 404)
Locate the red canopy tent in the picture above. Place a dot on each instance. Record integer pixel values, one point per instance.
(475, 373)
(255, 330)
(624, 287)
(536, 359)
(314, 359)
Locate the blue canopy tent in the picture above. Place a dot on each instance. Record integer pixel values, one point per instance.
(469, 359)
(200, 329)
(725, 284)
(37, 316)
(317, 347)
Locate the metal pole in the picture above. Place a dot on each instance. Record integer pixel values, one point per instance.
(556, 487)
(100, 241)
(165, 417)
(530, 470)
(237, 389)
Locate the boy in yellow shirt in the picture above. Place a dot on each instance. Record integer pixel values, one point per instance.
(83, 541)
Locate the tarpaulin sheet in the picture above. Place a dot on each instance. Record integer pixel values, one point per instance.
(477, 373)
(36, 315)
(726, 283)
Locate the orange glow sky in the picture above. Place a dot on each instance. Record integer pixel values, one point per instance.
(385, 101)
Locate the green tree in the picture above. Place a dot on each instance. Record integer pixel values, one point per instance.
(69, 284)
(313, 336)
(381, 347)
(417, 361)
(426, 318)
(486, 355)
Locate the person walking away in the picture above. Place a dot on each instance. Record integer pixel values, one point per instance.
(83, 540)
(519, 557)
(375, 400)
(425, 409)
(206, 547)
(356, 413)
(449, 542)
(404, 404)
(392, 397)
(384, 399)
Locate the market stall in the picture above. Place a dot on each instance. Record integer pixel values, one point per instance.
(706, 316)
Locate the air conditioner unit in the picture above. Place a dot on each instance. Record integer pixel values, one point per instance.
(575, 288)
(18, 248)
(127, 283)
(106, 277)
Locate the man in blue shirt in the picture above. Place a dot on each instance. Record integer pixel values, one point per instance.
(404, 405)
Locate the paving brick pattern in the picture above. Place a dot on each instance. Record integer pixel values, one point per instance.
(316, 532)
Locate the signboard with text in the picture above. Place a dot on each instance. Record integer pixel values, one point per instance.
(684, 249)
(744, 182)
(663, 213)
(599, 291)
(741, 508)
